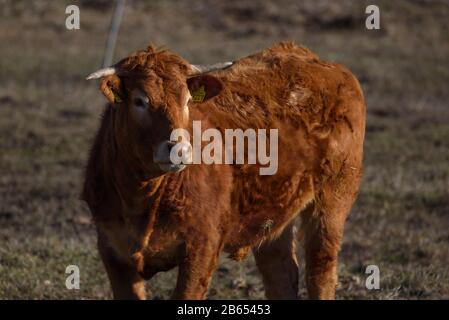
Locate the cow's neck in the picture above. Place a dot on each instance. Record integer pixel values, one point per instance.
(134, 186)
(140, 201)
(135, 189)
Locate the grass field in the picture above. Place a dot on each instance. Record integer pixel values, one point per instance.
(49, 115)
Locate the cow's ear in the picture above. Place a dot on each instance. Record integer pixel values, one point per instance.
(111, 88)
(204, 87)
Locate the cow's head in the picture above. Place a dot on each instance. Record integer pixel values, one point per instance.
(150, 92)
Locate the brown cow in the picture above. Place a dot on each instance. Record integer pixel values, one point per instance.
(153, 215)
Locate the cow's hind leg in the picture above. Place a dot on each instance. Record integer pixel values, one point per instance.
(278, 264)
(322, 231)
(126, 283)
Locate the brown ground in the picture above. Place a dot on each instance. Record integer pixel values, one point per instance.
(49, 114)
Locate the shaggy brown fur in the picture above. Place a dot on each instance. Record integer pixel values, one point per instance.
(150, 221)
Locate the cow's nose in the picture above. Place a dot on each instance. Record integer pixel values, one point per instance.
(173, 156)
(180, 152)
(170, 145)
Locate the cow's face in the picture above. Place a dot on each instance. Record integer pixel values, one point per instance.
(150, 92)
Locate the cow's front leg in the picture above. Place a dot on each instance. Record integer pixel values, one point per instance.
(126, 283)
(196, 269)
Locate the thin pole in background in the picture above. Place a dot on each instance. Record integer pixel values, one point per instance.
(113, 32)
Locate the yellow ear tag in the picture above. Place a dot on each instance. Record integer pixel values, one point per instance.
(116, 97)
(199, 94)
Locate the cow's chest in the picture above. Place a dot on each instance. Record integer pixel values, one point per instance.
(161, 254)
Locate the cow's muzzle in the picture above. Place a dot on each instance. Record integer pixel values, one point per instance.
(173, 156)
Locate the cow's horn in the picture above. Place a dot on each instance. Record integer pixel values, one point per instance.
(196, 68)
(102, 73)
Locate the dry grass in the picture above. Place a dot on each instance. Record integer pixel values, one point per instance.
(49, 114)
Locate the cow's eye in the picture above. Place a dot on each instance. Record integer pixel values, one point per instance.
(139, 102)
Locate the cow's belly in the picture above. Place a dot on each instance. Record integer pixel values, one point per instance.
(266, 204)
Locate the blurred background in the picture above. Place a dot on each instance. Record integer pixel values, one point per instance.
(49, 115)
